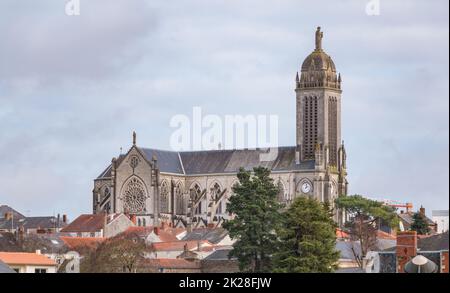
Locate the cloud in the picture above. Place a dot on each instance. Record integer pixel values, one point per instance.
(73, 88)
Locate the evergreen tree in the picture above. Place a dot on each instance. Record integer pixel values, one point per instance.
(420, 224)
(256, 219)
(308, 239)
(365, 214)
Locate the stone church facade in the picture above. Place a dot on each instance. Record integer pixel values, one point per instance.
(193, 187)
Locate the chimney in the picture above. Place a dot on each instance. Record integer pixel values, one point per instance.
(65, 219)
(21, 232)
(406, 248)
(38, 251)
(189, 228)
(8, 216)
(163, 225)
(133, 219)
(156, 230)
(422, 211)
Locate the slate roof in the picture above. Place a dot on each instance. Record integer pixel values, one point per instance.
(220, 254)
(408, 218)
(4, 268)
(31, 223)
(168, 161)
(345, 249)
(220, 161)
(212, 235)
(86, 223)
(434, 243)
(5, 209)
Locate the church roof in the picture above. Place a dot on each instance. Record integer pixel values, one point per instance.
(220, 161)
(318, 60)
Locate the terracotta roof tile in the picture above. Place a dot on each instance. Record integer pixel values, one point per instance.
(78, 242)
(25, 258)
(86, 223)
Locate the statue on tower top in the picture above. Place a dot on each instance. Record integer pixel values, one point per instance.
(319, 36)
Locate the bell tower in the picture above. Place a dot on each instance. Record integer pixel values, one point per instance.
(318, 90)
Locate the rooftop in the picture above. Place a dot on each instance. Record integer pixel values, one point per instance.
(4, 268)
(81, 242)
(219, 161)
(86, 223)
(172, 263)
(25, 258)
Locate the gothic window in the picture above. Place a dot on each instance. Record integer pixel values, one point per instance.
(309, 126)
(134, 196)
(181, 202)
(332, 130)
(198, 210)
(143, 222)
(281, 195)
(134, 161)
(106, 192)
(196, 192)
(164, 197)
(215, 192)
(139, 222)
(219, 208)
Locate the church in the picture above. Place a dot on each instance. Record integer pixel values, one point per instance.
(192, 188)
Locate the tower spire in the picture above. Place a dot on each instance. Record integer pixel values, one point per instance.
(134, 137)
(319, 36)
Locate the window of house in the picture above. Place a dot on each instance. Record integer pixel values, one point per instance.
(40, 271)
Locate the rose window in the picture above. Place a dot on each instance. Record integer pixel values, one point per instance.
(134, 197)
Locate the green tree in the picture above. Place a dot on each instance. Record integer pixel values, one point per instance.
(308, 239)
(420, 224)
(256, 219)
(365, 214)
(119, 254)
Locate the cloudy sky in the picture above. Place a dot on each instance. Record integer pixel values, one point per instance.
(73, 88)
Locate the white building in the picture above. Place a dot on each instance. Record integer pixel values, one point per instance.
(440, 217)
(24, 262)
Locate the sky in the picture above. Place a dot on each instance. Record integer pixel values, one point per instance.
(73, 88)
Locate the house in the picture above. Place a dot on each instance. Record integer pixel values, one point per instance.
(164, 234)
(217, 236)
(5, 269)
(408, 245)
(46, 224)
(173, 249)
(440, 217)
(220, 262)
(406, 220)
(7, 211)
(24, 262)
(98, 225)
(170, 266)
(82, 245)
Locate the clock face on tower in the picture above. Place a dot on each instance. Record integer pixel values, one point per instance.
(306, 187)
